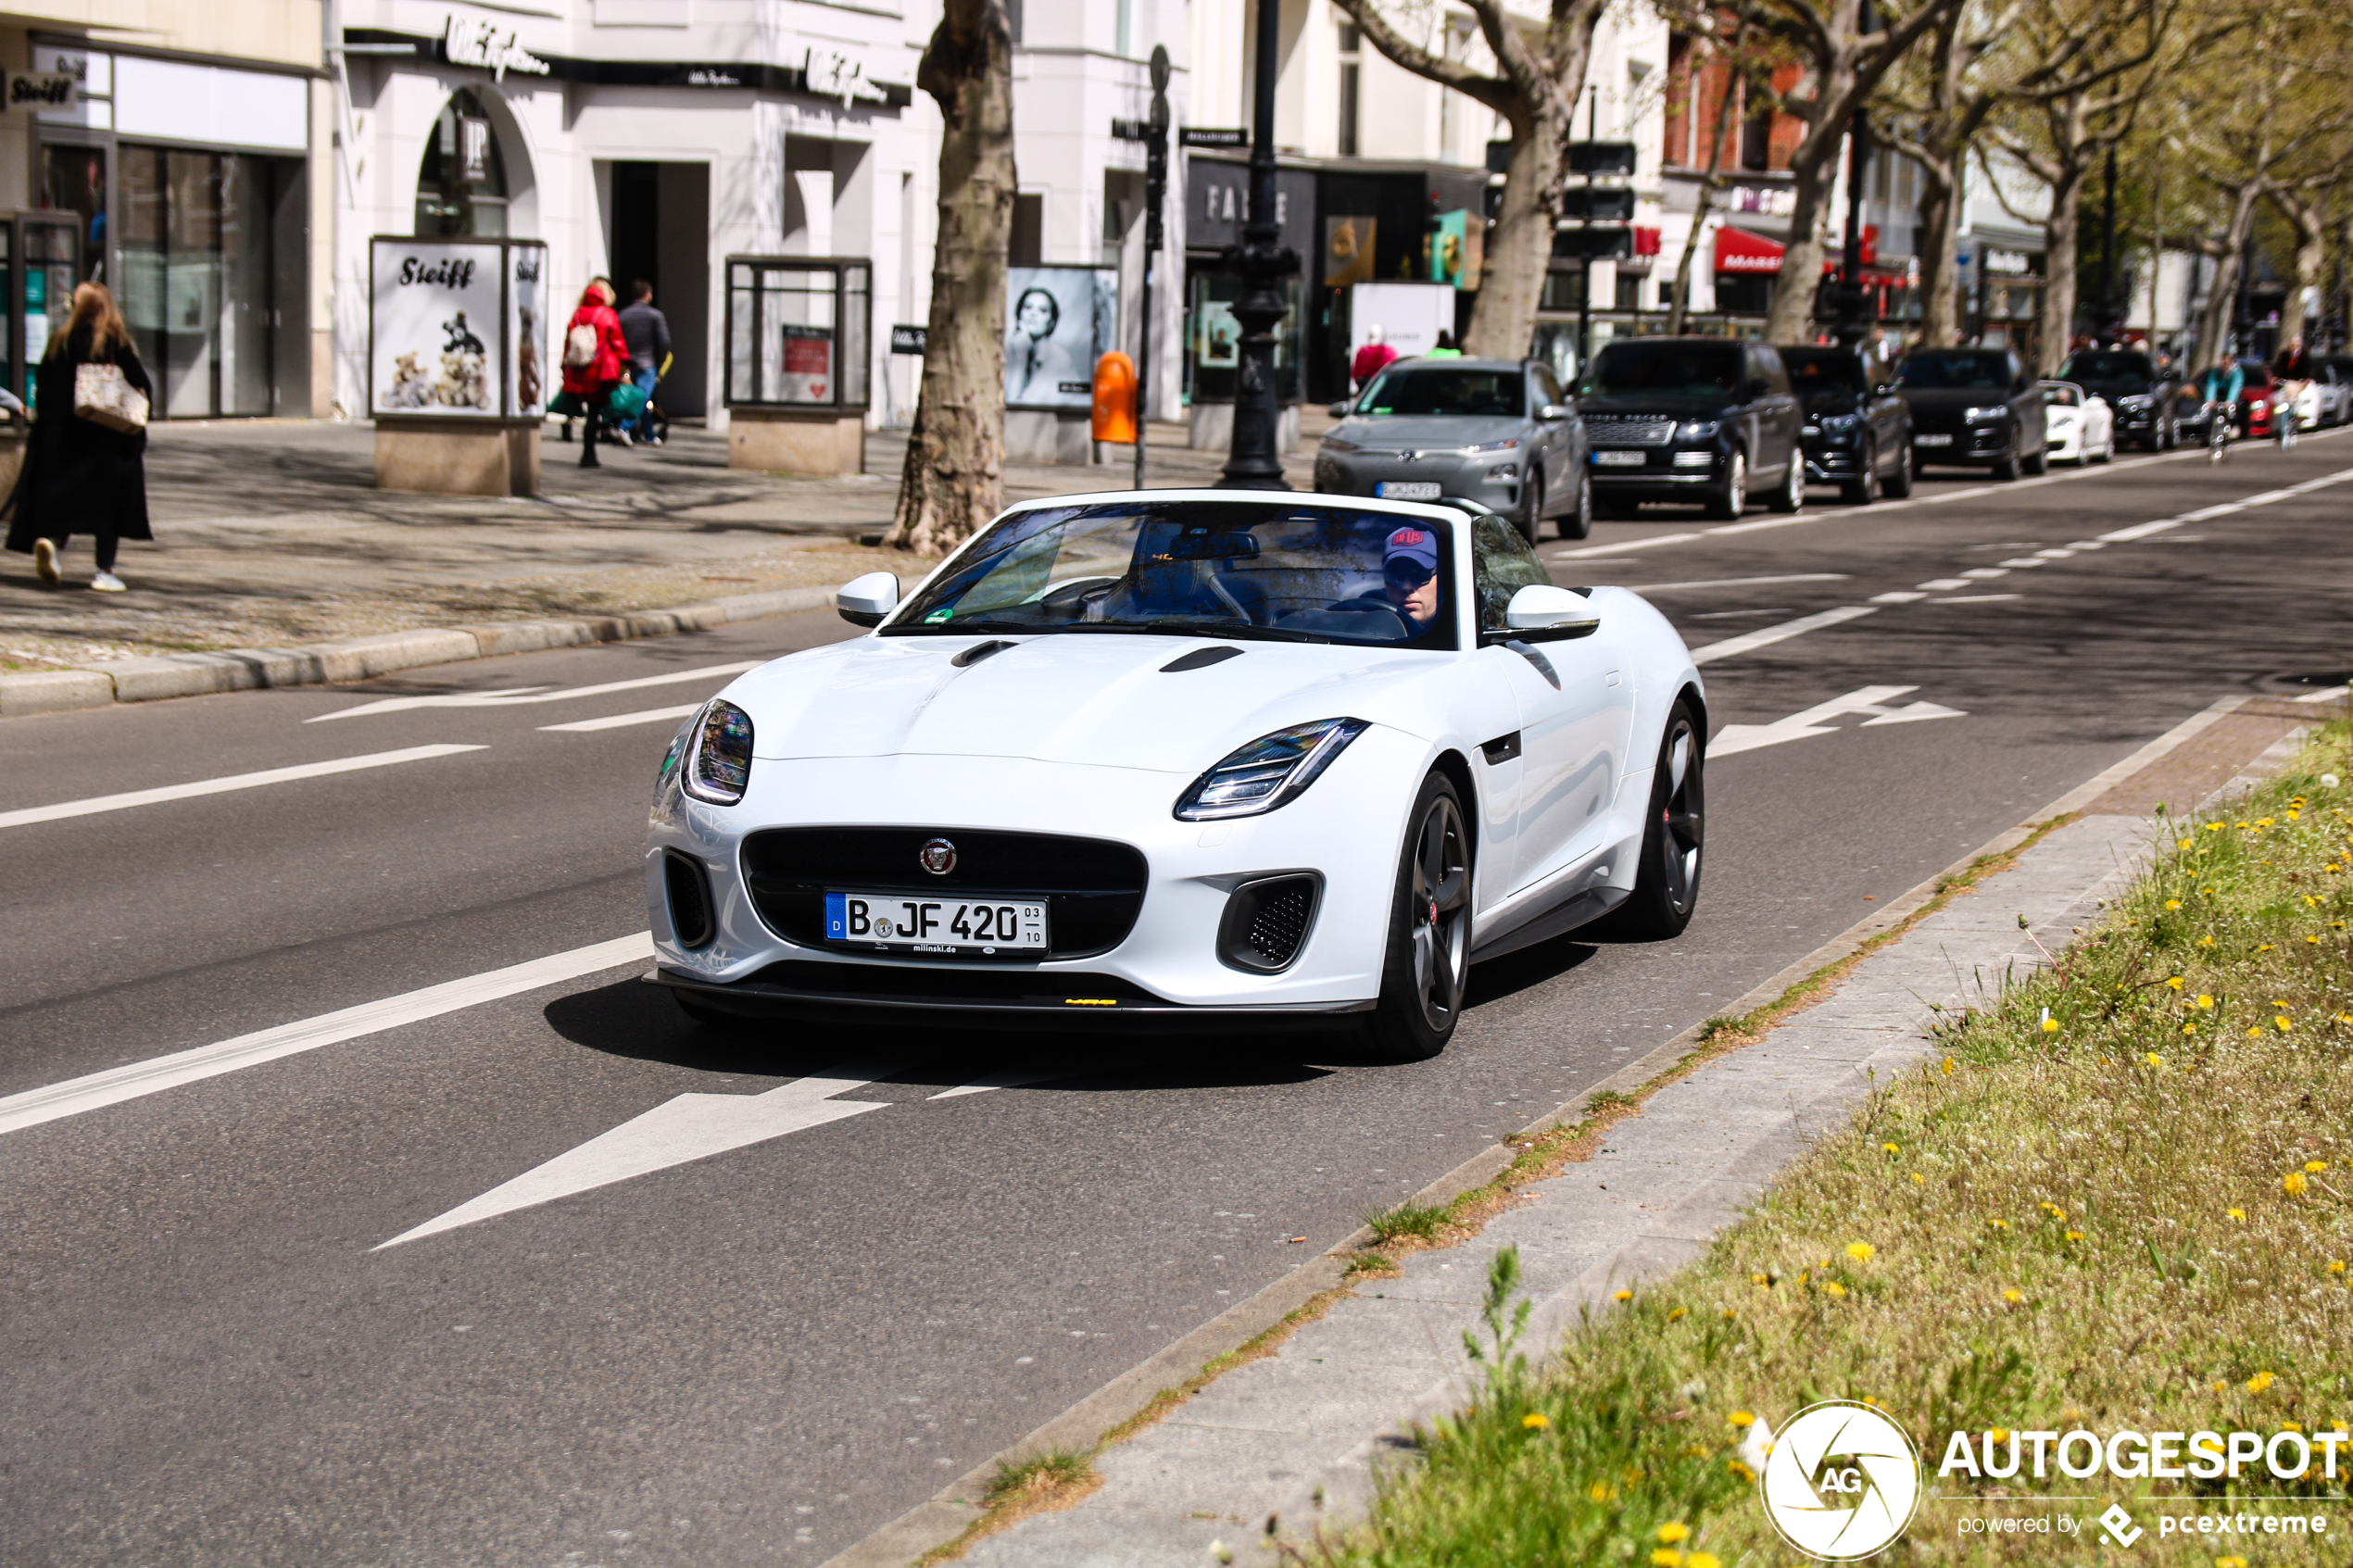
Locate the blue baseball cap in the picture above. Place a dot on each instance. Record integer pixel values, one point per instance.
(1417, 545)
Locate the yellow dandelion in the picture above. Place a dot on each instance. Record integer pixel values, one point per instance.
(2184, 843)
(2314, 940)
(2075, 1236)
(1625, 1296)
(2234, 1561)
(2214, 827)
(1743, 1420)
(2000, 1225)
(1535, 1421)
(2264, 947)
(1948, 1067)
(1667, 1556)
(2173, 903)
(2012, 1296)
(2316, 1166)
(1599, 1491)
(1760, 1279)
(1702, 1560)
(1741, 1472)
(2260, 1382)
(2155, 1060)
(1893, 1148)
(1678, 1313)
(1729, 1315)
(2238, 1214)
(2284, 1024)
(2189, 1028)
(2205, 1002)
(1920, 1179)
(2293, 1184)
(1674, 1534)
(2337, 1267)
(1832, 1287)
(2050, 1026)
(2206, 941)
(1862, 1251)
(2175, 983)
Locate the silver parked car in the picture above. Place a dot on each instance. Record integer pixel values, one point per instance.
(1498, 432)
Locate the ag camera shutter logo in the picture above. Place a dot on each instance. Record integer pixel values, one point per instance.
(1842, 1481)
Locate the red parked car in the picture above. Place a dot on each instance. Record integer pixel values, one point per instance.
(2257, 402)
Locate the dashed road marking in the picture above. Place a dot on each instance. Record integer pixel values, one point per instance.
(223, 785)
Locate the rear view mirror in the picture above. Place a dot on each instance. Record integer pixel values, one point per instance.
(1340, 409)
(1541, 613)
(868, 601)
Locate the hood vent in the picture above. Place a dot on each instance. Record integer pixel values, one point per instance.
(1200, 658)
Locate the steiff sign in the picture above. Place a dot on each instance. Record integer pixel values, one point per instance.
(39, 90)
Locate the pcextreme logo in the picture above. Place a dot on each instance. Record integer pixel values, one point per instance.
(1842, 1481)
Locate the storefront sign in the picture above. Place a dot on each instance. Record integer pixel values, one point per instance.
(479, 44)
(435, 330)
(909, 340)
(473, 150)
(830, 75)
(1219, 194)
(1212, 136)
(42, 89)
(2013, 262)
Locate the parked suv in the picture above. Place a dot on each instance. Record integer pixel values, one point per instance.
(2141, 395)
(1691, 418)
(1858, 434)
(1974, 408)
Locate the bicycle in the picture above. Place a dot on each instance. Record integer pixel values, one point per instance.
(2220, 417)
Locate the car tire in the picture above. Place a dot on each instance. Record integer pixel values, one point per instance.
(2037, 461)
(2005, 466)
(1862, 491)
(1731, 497)
(1578, 523)
(1532, 509)
(1667, 881)
(1426, 969)
(1898, 485)
(1791, 496)
(2108, 453)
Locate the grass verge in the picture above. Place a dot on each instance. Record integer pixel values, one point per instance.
(2119, 1201)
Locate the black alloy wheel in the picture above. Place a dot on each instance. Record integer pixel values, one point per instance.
(1578, 524)
(1791, 496)
(1532, 511)
(1863, 490)
(1667, 883)
(1427, 968)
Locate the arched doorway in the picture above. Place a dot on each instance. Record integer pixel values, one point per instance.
(461, 185)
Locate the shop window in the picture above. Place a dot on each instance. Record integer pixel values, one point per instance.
(1743, 293)
(462, 185)
(796, 332)
(74, 179)
(197, 283)
(1026, 245)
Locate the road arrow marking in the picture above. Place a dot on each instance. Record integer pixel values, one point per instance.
(1872, 700)
(997, 1081)
(688, 1128)
(519, 695)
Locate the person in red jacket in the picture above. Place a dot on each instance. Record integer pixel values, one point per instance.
(595, 354)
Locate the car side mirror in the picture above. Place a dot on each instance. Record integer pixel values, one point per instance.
(868, 601)
(1340, 409)
(1552, 412)
(1541, 613)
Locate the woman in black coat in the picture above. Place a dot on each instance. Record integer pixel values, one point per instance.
(79, 476)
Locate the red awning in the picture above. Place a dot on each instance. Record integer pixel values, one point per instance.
(1737, 250)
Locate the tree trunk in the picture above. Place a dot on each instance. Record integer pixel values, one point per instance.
(1519, 250)
(954, 475)
(2214, 322)
(2060, 244)
(1791, 320)
(1682, 297)
(1939, 247)
(2311, 254)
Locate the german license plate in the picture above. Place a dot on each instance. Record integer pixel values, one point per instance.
(936, 926)
(1620, 460)
(1932, 441)
(1407, 490)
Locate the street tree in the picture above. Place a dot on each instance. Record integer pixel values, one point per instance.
(955, 474)
(1745, 73)
(1533, 84)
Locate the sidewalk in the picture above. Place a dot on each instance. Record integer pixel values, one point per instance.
(271, 534)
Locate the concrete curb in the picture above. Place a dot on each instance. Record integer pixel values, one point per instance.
(360, 659)
(931, 1524)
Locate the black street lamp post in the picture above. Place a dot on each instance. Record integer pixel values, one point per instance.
(1255, 462)
(2110, 327)
(1854, 301)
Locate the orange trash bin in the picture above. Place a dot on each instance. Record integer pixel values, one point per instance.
(1115, 398)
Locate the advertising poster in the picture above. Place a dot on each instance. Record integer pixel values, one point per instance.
(1219, 347)
(527, 300)
(808, 370)
(1348, 250)
(1058, 322)
(1450, 257)
(434, 308)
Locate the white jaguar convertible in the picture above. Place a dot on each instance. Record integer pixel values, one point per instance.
(1199, 757)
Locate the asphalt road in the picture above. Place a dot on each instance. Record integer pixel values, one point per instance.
(761, 1356)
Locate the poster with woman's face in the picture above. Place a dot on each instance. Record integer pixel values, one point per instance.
(1059, 320)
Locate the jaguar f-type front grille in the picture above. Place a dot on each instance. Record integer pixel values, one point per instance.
(1629, 430)
(1093, 887)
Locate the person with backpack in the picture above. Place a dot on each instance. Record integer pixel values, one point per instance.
(596, 355)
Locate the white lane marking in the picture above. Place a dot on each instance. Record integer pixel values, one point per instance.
(1898, 597)
(1941, 584)
(1627, 544)
(2028, 561)
(2085, 545)
(1734, 738)
(2139, 531)
(2055, 554)
(75, 1096)
(995, 1081)
(2144, 530)
(1976, 598)
(519, 695)
(2329, 696)
(123, 802)
(1741, 582)
(690, 1127)
(1985, 572)
(1749, 641)
(616, 721)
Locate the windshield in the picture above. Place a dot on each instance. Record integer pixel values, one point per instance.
(1425, 391)
(1823, 370)
(2106, 365)
(1974, 372)
(2060, 395)
(1309, 573)
(1688, 369)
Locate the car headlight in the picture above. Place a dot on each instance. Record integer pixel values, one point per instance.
(1334, 443)
(1699, 430)
(2135, 402)
(1839, 424)
(1995, 411)
(718, 765)
(1495, 446)
(1269, 771)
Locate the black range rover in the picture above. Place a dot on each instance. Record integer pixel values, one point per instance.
(1858, 434)
(1974, 407)
(1690, 419)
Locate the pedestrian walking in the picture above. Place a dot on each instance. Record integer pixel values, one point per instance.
(594, 355)
(1370, 360)
(84, 469)
(646, 331)
(1444, 348)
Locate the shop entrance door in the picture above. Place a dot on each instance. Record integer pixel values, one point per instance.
(203, 275)
(661, 234)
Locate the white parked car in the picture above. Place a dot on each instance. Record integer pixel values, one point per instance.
(1202, 757)
(2079, 426)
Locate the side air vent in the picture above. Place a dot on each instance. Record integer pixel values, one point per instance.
(691, 919)
(1267, 920)
(1200, 658)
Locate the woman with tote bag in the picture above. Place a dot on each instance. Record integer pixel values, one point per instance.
(84, 472)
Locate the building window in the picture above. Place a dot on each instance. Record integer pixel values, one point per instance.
(1350, 75)
(1756, 139)
(196, 276)
(462, 185)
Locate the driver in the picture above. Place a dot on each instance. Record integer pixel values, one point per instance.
(1409, 577)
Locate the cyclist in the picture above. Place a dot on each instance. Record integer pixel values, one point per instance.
(2294, 368)
(2222, 386)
